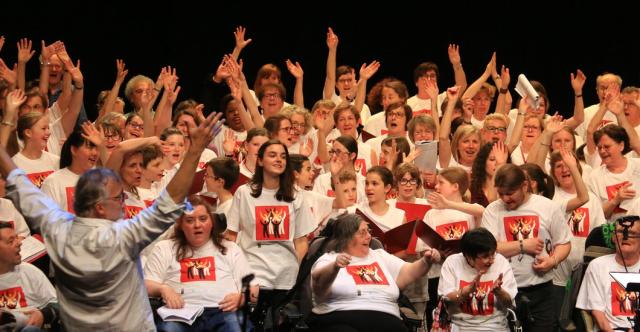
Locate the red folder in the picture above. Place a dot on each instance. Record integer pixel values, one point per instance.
(413, 211)
(395, 239)
(367, 136)
(435, 240)
(242, 179)
(198, 183)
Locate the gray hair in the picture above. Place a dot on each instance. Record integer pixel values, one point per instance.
(344, 228)
(91, 188)
(128, 89)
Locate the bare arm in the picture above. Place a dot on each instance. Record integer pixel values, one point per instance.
(601, 320)
(301, 246)
(110, 101)
(70, 117)
(24, 55)
(475, 86)
(410, 272)
(13, 101)
(172, 299)
(366, 72)
(298, 73)
(444, 144)
(241, 43)
(456, 62)
(330, 78)
(236, 92)
(117, 155)
(516, 135)
(581, 189)
(540, 149)
(594, 124)
(577, 82)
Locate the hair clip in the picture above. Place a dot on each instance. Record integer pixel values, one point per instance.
(188, 208)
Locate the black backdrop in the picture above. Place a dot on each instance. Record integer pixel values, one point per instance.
(546, 40)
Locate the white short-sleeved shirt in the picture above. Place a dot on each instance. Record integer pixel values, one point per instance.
(605, 184)
(393, 218)
(321, 205)
(450, 224)
(589, 112)
(367, 283)
(599, 291)
(61, 186)
(37, 169)
(9, 213)
(205, 277)
(421, 106)
(267, 228)
(581, 222)
(376, 125)
(218, 141)
(26, 287)
(57, 137)
(322, 185)
(480, 311)
(538, 217)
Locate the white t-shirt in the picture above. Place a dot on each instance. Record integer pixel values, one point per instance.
(9, 213)
(421, 106)
(304, 139)
(450, 224)
(604, 184)
(224, 207)
(267, 228)
(581, 222)
(599, 291)
(393, 218)
(148, 196)
(37, 169)
(205, 277)
(133, 204)
(480, 311)
(26, 287)
(321, 205)
(518, 157)
(367, 283)
(61, 186)
(589, 112)
(376, 125)
(538, 217)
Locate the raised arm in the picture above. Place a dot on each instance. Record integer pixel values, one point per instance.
(241, 43)
(117, 155)
(475, 86)
(366, 72)
(162, 118)
(24, 55)
(444, 143)
(330, 78)
(577, 82)
(70, 117)
(516, 135)
(617, 107)
(298, 73)
(503, 91)
(110, 101)
(236, 91)
(235, 68)
(410, 272)
(595, 124)
(456, 62)
(325, 124)
(540, 149)
(9, 75)
(95, 136)
(432, 91)
(9, 122)
(200, 138)
(582, 197)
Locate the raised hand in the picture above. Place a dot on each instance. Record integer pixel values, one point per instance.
(61, 51)
(13, 101)
(454, 54)
(1, 42)
(367, 71)
(332, 39)
(203, 134)
(626, 191)
(7, 74)
(295, 69)
(48, 51)
(306, 148)
(497, 284)
(76, 74)
(91, 134)
(616, 106)
(222, 73)
(568, 158)
(432, 89)
(24, 50)
(554, 125)
(121, 72)
(229, 143)
(491, 66)
(239, 37)
(453, 93)
(438, 201)
(506, 77)
(431, 256)
(577, 81)
(501, 153)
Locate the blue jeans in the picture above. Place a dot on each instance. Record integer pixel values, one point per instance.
(212, 319)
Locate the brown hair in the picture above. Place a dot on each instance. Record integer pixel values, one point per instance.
(184, 250)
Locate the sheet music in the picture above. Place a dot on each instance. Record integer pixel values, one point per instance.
(428, 155)
(524, 89)
(31, 249)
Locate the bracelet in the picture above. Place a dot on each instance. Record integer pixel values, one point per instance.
(504, 90)
(156, 89)
(522, 113)
(521, 246)
(7, 123)
(578, 96)
(78, 87)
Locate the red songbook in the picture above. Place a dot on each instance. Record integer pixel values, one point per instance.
(413, 211)
(395, 239)
(366, 136)
(242, 179)
(434, 240)
(198, 183)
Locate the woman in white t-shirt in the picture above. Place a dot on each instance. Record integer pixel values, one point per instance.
(220, 175)
(270, 222)
(478, 284)
(378, 184)
(461, 150)
(356, 288)
(321, 205)
(197, 267)
(33, 130)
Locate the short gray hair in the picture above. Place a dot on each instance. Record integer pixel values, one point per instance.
(344, 228)
(91, 188)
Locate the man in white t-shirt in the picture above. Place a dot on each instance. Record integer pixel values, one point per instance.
(24, 290)
(605, 83)
(533, 235)
(610, 304)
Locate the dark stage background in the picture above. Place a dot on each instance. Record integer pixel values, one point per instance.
(546, 41)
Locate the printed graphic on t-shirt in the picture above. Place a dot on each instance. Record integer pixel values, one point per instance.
(370, 274)
(148, 202)
(70, 193)
(272, 223)
(331, 193)
(131, 211)
(38, 178)
(423, 111)
(198, 269)
(622, 303)
(453, 230)
(479, 302)
(392, 194)
(521, 227)
(360, 166)
(12, 298)
(201, 165)
(612, 190)
(579, 222)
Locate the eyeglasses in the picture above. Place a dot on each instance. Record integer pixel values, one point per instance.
(411, 181)
(531, 128)
(272, 95)
(141, 91)
(119, 198)
(115, 137)
(287, 129)
(396, 114)
(336, 152)
(346, 80)
(496, 130)
(297, 125)
(136, 125)
(364, 232)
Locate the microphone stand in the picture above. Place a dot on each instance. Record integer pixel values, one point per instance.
(247, 299)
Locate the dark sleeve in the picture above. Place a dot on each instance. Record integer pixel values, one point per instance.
(50, 312)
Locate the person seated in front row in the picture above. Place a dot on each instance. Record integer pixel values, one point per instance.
(478, 284)
(356, 288)
(196, 266)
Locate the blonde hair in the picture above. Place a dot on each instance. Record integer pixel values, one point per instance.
(461, 133)
(289, 111)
